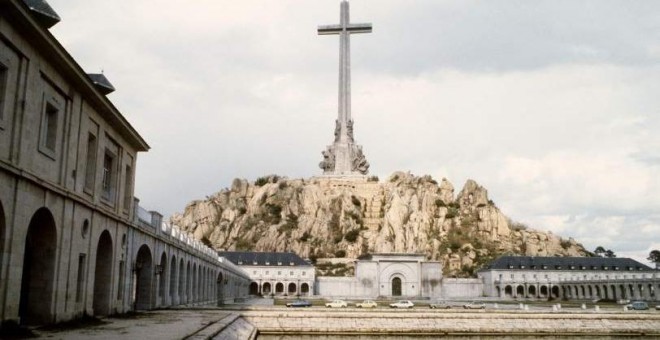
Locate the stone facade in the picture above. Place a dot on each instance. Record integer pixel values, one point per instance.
(573, 278)
(275, 274)
(386, 275)
(73, 241)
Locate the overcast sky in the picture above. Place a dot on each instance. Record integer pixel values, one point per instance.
(553, 106)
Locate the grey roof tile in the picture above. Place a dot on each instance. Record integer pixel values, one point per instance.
(250, 258)
(565, 263)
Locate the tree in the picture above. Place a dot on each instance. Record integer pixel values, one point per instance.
(602, 252)
(654, 256)
(609, 253)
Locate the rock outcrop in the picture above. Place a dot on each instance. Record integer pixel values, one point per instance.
(324, 217)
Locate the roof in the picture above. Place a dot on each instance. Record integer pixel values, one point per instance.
(565, 263)
(249, 258)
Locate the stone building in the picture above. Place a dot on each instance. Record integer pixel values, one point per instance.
(528, 277)
(386, 275)
(275, 273)
(72, 239)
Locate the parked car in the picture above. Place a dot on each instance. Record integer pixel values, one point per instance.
(657, 307)
(402, 304)
(299, 303)
(474, 305)
(336, 304)
(439, 305)
(637, 305)
(366, 304)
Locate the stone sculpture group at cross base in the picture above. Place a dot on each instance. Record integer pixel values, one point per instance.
(344, 157)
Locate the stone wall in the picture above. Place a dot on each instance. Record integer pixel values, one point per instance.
(462, 288)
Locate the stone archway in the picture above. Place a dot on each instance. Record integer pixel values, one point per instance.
(543, 291)
(520, 291)
(396, 286)
(103, 275)
(531, 290)
(279, 288)
(144, 275)
(2, 235)
(193, 287)
(162, 276)
(292, 289)
(508, 291)
(219, 291)
(173, 281)
(35, 305)
(266, 288)
(254, 288)
(188, 283)
(304, 289)
(182, 282)
(554, 292)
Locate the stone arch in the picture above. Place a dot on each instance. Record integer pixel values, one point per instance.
(304, 289)
(531, 290)
(173, 280)
(582, 291)
(279, 288)
(590, 291)
(554, 292)
(162, 276)
(195, 279)
(103, 275)
(543, 291)
(508, 291)
(520, 291)
(144, 275)
(219, 288)
(182, 282)
(188, 282)
(597, 292)
(397, 286)
(37, 280)
(254, 288)
(631, 291)
(293, 288)
(199, 283)
(266, 288)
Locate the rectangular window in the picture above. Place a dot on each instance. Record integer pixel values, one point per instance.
(4, 76)
(291, 274)
(120, 288)
(108, 178)
(128, 188)
(90, 163)
(49, 133)
(80, 283)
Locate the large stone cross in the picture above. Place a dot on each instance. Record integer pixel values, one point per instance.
(344, 30)
(344, 157)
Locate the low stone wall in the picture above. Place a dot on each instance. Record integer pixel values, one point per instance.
(462, 288)
(411, 322)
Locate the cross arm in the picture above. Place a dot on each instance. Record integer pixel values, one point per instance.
(351, 28)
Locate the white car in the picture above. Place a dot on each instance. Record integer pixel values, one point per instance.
(366, 304)
(402, 304)
(336, 304)
(474, 305)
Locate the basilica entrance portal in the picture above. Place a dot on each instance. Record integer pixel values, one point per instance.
(396, 286)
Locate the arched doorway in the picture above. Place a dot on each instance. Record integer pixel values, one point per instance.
(532, 291)
(304, 289)
(182, 283)
(254, 288)
(218, 286)
(544, 291)
(188, 281)
(38, 269)
(143, 274)
(292, 288)
(173, 287)
(555, 292)
(520, 292)
(508, 291)
(279, 288)
(396, 286)
(162, 276)
(266, 289)
(193, 293)
(103, 275)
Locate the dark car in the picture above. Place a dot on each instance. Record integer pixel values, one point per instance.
(638, 305)
(299, 303)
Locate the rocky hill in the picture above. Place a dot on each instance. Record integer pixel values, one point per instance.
(324, 218)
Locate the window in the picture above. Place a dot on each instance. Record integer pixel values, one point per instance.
(3, 90)
(303, 273)
(80, 283)
(121, 281)
(108, 178)
(291, 273)
(49, 129)
(90, 163)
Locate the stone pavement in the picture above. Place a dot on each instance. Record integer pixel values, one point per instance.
(161, 325)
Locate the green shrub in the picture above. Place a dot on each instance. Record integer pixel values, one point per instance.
(352, 235)
(261, 181)
(356, 201)
(440, 203)
(340, 253)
